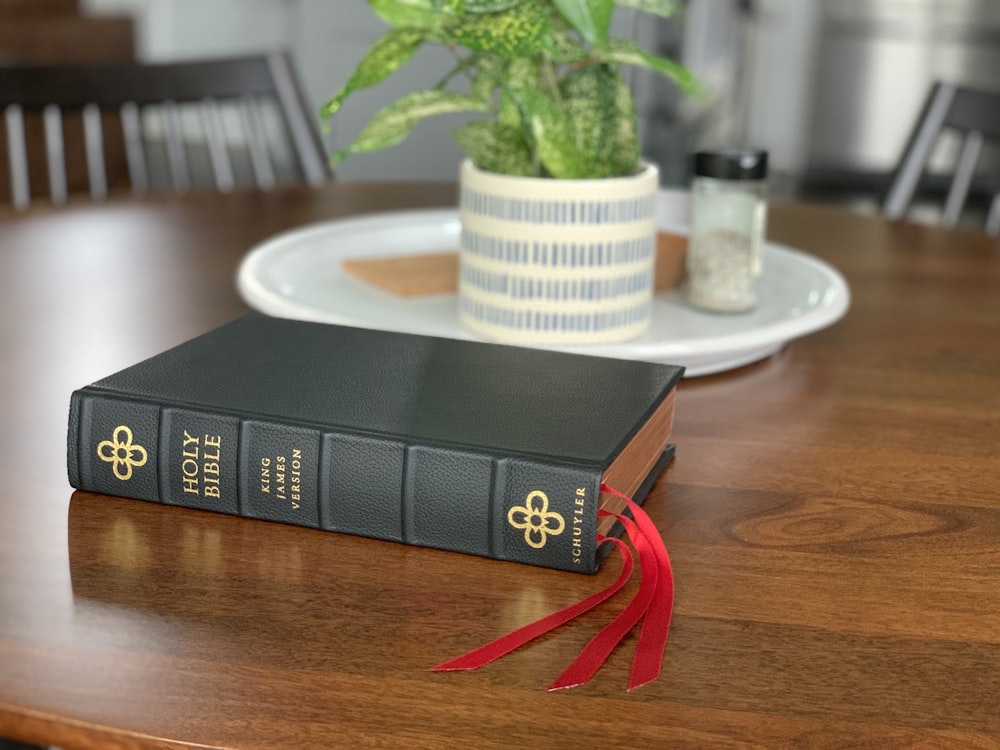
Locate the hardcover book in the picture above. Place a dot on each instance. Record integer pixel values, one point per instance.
(473, 447)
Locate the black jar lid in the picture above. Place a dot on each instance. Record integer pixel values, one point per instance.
(731, 164)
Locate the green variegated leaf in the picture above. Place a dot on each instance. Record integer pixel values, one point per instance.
(518, 32)
(496, 148)
(563, 49)
(592, 18)
(407, 13)
(628, 52)
(519, 75)
(393, 123)
(490, 6)
(386, 56)
(483, 86)
(663, 8)
(553, 134)
(625, 154)
(589, 100)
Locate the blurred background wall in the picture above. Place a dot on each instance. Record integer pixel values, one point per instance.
(829, 87)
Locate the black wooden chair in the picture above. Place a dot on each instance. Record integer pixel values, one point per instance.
(219, 123)
(973, 113)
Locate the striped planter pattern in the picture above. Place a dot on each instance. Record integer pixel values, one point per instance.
(557, 261)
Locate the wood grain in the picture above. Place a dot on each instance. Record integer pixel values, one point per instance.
(832, 517)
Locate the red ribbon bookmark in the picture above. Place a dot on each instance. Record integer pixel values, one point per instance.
(505, 644)
(601, 645)
(656, 623)
(652, 603)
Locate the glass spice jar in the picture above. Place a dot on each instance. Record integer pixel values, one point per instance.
(728, 216)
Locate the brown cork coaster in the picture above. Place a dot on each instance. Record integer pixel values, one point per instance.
(670, 253)
(409, 275)
(437, 273)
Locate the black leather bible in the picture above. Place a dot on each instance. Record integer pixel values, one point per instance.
(472, 447)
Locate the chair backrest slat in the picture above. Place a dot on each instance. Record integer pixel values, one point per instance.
(93, 141)
(176, 158)
(17, 149)
(253, 127)
(55, 156)
(962, 181)
(303, 137)
(135, 152)
(993, 219)
(918, 151)
(222, 168)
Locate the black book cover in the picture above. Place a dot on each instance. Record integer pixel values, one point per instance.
(473, 447)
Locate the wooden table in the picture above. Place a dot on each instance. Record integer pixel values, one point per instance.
(833, 518)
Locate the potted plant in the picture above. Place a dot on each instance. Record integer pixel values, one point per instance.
(557, 207)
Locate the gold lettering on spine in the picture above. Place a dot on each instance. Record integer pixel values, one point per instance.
(189, 466)
(265, 475)
(210, 468)
(579, 504)
(281, 477)
(200, 471)
(296, 479)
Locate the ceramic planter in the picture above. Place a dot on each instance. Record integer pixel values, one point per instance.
(561, 262)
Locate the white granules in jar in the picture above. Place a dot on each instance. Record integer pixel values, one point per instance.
(721, 274)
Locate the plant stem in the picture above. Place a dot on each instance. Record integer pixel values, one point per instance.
(547, 75)
(464, 63)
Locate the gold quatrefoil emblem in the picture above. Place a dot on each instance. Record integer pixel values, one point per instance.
(536, 520)
(122, 453)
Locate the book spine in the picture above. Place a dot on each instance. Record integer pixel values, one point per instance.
(505, 507)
